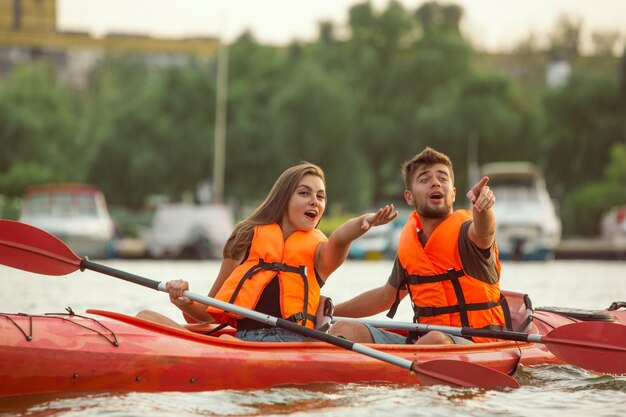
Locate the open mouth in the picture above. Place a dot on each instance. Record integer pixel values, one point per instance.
(311, 214)
(436, 197)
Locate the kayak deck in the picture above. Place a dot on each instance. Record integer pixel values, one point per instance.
(114, 352)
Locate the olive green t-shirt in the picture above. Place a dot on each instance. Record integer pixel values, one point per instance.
(478, 263)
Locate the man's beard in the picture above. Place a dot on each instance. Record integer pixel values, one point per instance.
(427, 211)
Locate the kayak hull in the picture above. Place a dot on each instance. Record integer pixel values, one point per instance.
(66, 354)
(106, 351)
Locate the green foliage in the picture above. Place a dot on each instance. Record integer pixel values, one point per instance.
(616, 170)
(587, 204)
(330, 222)
(584, 119)
(10, 207)
(21, 175)
(622, 77)
(358, 105)
(130, 223)
(582, 214)
(255, 157)
(314, 131)
(158, 140)
(38, 119)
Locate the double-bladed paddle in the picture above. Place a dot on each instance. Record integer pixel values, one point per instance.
(28, 248)
(593, 345)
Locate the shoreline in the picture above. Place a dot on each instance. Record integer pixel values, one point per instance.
(591, 248)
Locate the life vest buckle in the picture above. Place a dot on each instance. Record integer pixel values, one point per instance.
(297, 317)
(277, 266)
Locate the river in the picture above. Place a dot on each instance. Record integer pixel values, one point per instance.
(546, 391)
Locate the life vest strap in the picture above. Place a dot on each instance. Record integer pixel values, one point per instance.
(216, 329)
(451, 275)
(427, 279)
(279, 266)
(268, 266)
(435, 311)
(256, 268)
(394, 307)
(460, 296)
(301, 317)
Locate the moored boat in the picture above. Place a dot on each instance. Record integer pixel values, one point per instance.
(107, 351)
(529, 227)
(75, 213)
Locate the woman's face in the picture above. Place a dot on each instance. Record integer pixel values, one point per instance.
(306, 205)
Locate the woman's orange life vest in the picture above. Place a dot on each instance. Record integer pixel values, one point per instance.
(441, 292)
(292, 260)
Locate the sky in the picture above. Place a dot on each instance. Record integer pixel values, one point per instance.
(493, 25)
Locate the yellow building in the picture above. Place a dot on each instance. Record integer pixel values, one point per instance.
(28, 30)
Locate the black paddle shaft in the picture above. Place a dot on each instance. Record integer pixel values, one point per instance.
(126, 276)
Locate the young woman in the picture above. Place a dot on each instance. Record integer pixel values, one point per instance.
(276, 260)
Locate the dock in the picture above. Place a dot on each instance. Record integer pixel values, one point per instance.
(591, 248)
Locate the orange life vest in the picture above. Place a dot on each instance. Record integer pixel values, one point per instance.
(441, 292)
(270, 255)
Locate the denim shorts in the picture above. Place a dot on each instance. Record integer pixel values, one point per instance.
(391, 338)
(271, 334)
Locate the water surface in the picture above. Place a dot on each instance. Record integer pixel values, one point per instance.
(546, 391)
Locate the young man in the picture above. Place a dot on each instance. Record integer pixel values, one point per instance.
(447, 261)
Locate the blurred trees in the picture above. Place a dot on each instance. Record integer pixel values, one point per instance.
(155, 138)
(589, 201)
(358, 105)
(38, 121)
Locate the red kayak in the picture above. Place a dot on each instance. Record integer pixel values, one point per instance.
(106, 351)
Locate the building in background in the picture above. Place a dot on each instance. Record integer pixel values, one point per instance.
(28, 31)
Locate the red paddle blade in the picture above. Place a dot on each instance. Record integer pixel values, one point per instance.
(461, 373)
(28, 248)
(593, 345)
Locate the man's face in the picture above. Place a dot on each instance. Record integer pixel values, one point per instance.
(432, 193)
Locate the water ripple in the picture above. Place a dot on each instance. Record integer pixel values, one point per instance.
(547, 391)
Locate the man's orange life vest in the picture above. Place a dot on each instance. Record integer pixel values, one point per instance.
(293, 260)
(441, 292)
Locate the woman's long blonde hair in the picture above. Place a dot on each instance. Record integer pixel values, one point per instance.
(271, 210)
